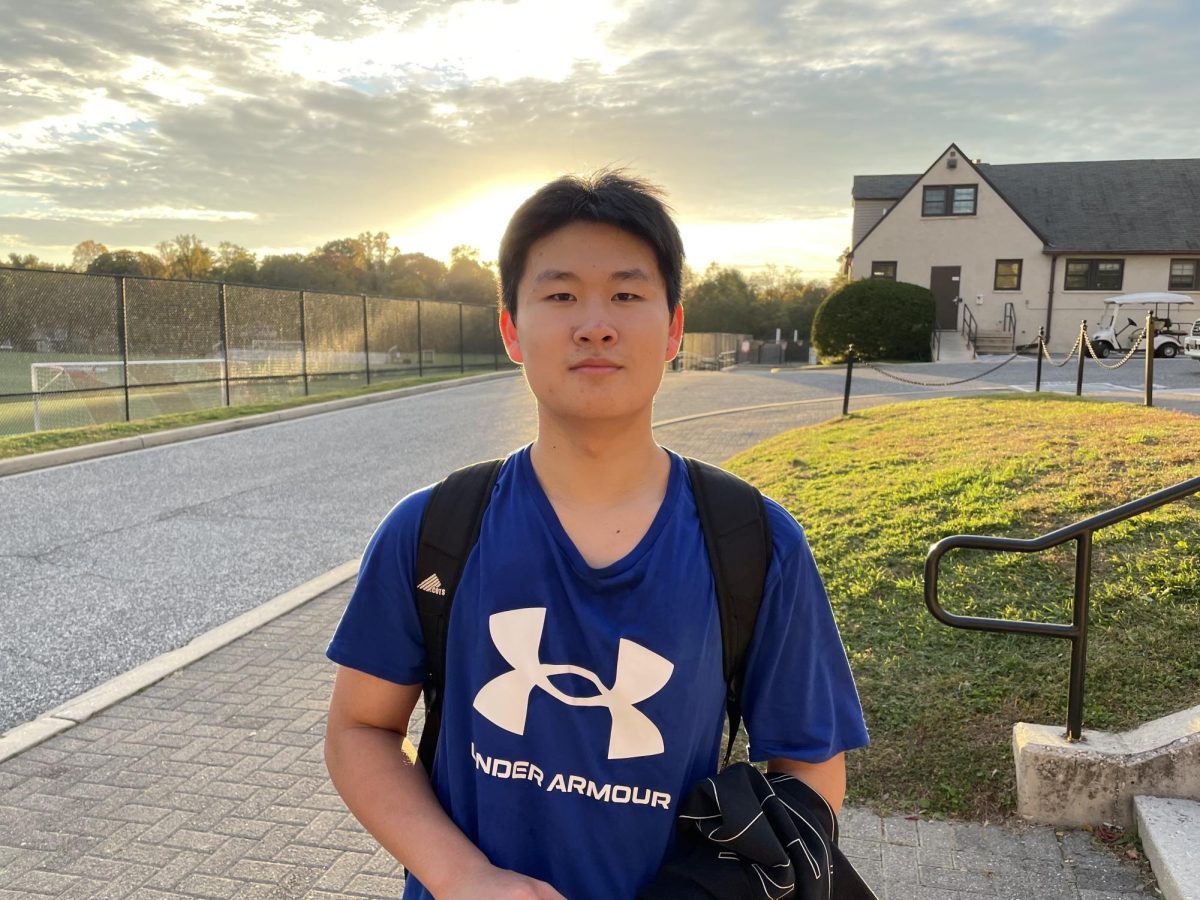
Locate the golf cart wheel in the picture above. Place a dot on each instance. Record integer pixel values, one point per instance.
(1102, 348)
(1168, 351)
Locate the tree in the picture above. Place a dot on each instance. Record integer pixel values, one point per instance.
(28, 261)
(468, 280)
(723, 301)
(290, 270)
(185, 257)
(414, 275)
(126, 262)
(85, 254)
(235, 263)
(788, 301)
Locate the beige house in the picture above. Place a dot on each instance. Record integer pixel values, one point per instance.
(1030, 245)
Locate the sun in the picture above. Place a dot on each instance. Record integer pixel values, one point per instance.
(477, 218)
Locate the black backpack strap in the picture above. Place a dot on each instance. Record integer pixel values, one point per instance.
(449, 529)
(737, 534)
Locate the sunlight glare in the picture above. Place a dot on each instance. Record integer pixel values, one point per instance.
(477, 40)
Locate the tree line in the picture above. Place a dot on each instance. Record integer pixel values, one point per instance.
(719, 299)
(366, 264)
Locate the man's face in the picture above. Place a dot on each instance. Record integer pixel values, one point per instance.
(592, 327)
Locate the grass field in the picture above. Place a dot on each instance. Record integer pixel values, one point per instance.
(22, 444)
(58, 408)
(874, 490)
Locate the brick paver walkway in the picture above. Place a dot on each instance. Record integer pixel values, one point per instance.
(211, 783)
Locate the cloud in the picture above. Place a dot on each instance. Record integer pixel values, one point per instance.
(289, 122)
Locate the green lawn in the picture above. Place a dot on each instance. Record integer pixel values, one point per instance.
(21, 444)
(874, 490)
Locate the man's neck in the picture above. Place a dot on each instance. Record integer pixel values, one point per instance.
(601, 466)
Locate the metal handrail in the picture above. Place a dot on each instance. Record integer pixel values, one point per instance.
(1010, 317)
(969, 329)
(1081, 532)
(935, 344)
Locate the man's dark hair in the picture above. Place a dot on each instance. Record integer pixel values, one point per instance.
(607, 197)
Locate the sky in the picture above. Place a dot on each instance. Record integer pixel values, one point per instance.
(282, 124)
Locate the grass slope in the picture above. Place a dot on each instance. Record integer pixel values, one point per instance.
(874, 490)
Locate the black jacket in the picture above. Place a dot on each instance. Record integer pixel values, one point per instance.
(743, 834)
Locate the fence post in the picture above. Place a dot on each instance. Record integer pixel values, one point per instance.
(366, 341)
(303, 347)
(1041, 352)
(462, 351)
(1082, 354)
(1149, 359)
(224, 342)
(420, 347)
(123, 340)
(849, 372)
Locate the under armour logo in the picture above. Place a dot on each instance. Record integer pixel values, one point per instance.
(641, 674)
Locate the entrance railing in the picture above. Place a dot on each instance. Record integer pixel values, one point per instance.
(1077, 631)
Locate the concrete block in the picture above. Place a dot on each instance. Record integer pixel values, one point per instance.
(1095, 780)
(1170, 833)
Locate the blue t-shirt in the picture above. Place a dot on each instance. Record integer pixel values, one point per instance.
(582, 703)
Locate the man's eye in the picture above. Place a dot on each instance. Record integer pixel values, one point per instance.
(624, 296)
(562, 297)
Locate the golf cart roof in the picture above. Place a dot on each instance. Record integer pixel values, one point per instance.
(1150, 297)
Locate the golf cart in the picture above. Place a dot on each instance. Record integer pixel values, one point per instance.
(1168, 332)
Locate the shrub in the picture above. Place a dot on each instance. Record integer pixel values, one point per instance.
(883, 320)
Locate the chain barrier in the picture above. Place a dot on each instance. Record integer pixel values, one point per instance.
(1070, 353)
(937, 383)
(1128, 356)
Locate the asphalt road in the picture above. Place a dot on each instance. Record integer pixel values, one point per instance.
(108, 563)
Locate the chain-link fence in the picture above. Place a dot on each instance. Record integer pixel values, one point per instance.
(79, 350)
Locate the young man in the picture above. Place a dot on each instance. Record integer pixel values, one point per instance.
(584, 690)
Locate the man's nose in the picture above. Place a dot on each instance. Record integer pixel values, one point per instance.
(595, 329)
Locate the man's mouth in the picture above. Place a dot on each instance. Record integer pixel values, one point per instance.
(596, 366)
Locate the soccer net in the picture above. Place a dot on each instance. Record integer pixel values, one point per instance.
(73, 394)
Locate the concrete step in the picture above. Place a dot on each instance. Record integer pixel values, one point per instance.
(1170, 833)
(994, 342)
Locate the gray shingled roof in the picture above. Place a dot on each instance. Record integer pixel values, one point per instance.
(881, 187)
(1147, 205)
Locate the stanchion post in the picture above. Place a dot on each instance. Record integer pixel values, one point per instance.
(1149, 359)
(1041, 352)
(1082, 353)
(849, 372)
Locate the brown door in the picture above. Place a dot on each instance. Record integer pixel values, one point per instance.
(943, 281)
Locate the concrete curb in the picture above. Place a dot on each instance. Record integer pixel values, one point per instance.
(1169, 830)
(49, 458)
(83, 707)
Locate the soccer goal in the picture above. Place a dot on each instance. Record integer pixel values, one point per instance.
(74, 394)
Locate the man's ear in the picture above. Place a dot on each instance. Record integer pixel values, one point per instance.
(675, 333)
(508, 332)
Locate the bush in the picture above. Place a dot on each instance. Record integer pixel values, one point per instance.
(883, 320)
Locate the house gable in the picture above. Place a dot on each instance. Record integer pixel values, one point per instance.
(904, 227)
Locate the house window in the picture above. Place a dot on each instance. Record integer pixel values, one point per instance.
(1185, 275)
(950, 200)
(884, 270)
(1008, 275)
(1094, 274)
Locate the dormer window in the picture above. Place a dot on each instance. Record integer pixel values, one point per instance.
(949, 200)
